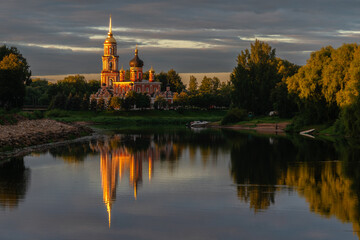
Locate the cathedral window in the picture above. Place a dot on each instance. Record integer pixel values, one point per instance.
(110, 66)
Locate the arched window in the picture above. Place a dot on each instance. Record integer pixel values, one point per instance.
(110, 66)
(147, 89)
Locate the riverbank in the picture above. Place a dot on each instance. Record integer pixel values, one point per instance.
(264, 126)
(35, 132)
(139, 118)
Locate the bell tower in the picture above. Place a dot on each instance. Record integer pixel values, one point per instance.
(110, 60)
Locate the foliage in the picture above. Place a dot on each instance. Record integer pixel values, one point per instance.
(349, 120)
(327, 83)
(160, 102)
(234, 115)
(129, 100)
(142, 100)
(100, 105)
(115, 103)
(14, 74)
(58, 102)
(172, 78)
(56, 113)
(193, 85)
(255, 77)
(93, 104)
(20, 63)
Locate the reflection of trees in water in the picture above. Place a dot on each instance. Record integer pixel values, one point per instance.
(72, 153)
(14, 178)
(330, 187)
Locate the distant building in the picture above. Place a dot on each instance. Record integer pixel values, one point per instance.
(113, 81)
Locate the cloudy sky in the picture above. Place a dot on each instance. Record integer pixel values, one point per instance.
(66, 36)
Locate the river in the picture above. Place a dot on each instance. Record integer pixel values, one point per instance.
(183, 184)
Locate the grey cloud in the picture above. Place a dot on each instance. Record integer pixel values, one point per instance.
(227, 26)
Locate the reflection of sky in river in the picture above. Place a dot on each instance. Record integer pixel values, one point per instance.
(197, 199)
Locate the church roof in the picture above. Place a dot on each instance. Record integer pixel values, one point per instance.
(136, 61)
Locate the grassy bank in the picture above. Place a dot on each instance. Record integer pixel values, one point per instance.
(145, 117)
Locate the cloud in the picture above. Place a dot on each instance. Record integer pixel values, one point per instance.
(171, 33)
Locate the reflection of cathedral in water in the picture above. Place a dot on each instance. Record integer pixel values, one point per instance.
(118, 160)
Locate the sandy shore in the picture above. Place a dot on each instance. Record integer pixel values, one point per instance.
(35, 132)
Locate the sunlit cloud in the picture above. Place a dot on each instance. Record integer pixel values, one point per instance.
(348, 33)
(61, 47)
(160, 43)
(272, 38)
(125, 29)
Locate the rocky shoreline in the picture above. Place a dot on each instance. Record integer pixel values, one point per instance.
(35, 132)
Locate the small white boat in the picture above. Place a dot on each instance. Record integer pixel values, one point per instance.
(198, 124)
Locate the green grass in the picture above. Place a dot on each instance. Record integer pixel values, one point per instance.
(146, 117)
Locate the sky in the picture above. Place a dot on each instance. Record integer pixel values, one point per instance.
(66, 36)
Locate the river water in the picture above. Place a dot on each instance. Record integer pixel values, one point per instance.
(183, 184)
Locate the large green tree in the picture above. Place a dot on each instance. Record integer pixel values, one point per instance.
(256, 76)
(328, 83)
(14, 74)
(171, 78)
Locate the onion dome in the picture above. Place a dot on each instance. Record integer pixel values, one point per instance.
(136, 61)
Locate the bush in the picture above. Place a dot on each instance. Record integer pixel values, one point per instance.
(56, 113)
(234, 115)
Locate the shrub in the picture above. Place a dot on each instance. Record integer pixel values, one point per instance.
(234, 115)
(56, 113)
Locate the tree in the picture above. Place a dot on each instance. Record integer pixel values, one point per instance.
(160, 102)
(176, 84)
(14, 74)
(257, 73)
(209, 85)
(93, 104)
(85, 103)
(193, 85)
(142, 100)
(172, 79)
(24, 68)
(129, 100)
(58, 102)
(73, 84)
(181, 99)
(115, 103)
(162, 77)
(327, 84)
(100, 105)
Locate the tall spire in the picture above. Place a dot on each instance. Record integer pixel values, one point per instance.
(110, 30)
(136, 50)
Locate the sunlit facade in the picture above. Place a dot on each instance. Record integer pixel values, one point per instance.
(114, 82)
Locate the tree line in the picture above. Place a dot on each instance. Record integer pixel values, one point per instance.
(325, 90)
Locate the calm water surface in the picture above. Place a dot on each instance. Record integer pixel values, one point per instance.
(181, 184)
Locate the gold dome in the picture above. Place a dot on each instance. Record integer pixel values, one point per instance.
(110, 39)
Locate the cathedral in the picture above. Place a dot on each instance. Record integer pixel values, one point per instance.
(113, 82)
